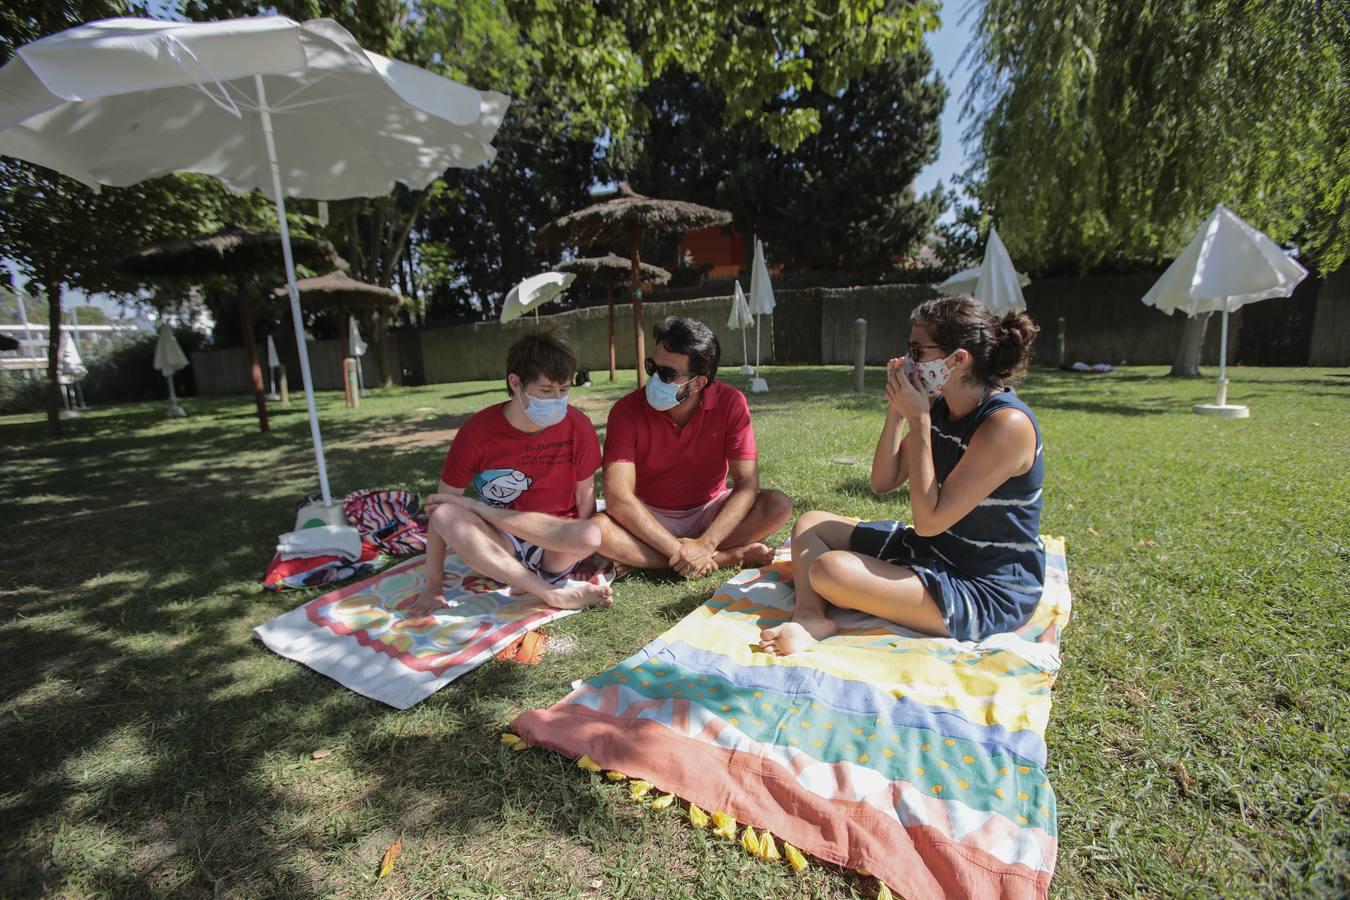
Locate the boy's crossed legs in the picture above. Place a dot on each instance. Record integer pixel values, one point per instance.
(474, 530)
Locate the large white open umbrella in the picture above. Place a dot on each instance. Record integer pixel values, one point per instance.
(995, 282)
(169, 358)
(534, 292)
(741, 320)
(121, 100)
(1227, 265)
(761, 304)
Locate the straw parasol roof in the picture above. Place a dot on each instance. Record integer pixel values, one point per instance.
(338, 289)
(613, 266)
(227, 251)
(238, 252)
(627, 213)
(625, 217)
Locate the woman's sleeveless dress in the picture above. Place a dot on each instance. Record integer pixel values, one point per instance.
(986, 572)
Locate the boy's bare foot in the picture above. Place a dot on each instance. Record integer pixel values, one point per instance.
(747, 555)
(796, 636)
(580, 597)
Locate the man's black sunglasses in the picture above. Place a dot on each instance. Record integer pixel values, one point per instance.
(665, 373)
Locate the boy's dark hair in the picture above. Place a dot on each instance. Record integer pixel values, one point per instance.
(540, 353)
(695, 340)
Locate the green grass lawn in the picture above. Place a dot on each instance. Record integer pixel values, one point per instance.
(150, 746)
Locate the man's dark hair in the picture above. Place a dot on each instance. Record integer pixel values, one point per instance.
(695, 340)
(540, 353)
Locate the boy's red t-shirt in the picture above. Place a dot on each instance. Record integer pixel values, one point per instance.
(680, 468)
(513, 469)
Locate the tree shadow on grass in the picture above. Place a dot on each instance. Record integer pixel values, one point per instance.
(153, 746)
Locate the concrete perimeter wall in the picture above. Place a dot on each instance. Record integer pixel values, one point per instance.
(1104, 321)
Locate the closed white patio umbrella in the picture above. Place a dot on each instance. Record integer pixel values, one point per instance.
(741, 320)
(358, 349)
(761, 304)
(534, 292)
(121, 100)
(995, 282)
(169, 359)
(273, 363)
(1227, 265)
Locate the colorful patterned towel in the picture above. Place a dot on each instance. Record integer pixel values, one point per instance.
(357, 637)
(918, 760)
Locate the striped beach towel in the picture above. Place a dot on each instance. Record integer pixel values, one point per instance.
(918, 760)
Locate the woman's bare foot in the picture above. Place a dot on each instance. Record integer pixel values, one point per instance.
(747, 555)
(796, 636)
(580, 597)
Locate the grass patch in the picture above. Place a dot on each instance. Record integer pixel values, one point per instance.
(1197, 742)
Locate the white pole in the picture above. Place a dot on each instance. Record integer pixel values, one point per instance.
(173, 397)
(27, 349)
(1222, 399)
(745, 348)
(756, 343)
(291, 289)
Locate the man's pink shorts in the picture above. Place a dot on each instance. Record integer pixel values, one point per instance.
(692, 522)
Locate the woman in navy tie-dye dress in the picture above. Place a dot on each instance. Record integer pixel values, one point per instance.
(971, 563)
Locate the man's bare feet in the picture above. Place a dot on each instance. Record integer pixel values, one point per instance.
(796, 636)
(747, 555)
(580, 597)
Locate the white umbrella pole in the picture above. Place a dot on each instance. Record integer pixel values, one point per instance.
(291, 289)
(745, 348)
(1222, 398)
(756, 343)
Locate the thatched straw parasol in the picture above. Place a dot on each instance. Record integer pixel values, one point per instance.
(625, 217)
(610, 267)
(232, 251)
(339, 290)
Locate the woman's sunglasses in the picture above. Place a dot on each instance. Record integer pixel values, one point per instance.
(665, 373)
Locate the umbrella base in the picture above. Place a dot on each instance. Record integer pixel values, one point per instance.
(759, 386)
(177, 412)
(747, 370)
(1222, 411)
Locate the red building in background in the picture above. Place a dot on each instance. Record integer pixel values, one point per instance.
(713, 245)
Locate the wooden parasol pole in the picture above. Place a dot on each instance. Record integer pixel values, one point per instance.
(609, 284)
(638, 337)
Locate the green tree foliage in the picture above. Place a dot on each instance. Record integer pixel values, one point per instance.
(852, 179)
(1112, 132)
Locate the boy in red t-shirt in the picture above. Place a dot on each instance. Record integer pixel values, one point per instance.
(531, 462)
(668, 452)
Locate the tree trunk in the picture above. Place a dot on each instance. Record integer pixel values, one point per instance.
(609, 282)
(1186, 364)
(255, 369)
(54, 287)
(639, 338)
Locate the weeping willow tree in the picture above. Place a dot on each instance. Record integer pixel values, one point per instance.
(1109, 132)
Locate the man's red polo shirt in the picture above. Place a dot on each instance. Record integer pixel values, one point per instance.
(680, 468)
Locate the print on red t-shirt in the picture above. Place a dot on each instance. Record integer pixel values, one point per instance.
(680, 468)
(513, 469)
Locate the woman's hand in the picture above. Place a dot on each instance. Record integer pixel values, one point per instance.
(901, 395)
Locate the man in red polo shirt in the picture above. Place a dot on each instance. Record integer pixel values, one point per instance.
(531, 464)
(668, 452)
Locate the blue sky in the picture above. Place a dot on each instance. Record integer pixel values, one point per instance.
(947, 44)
